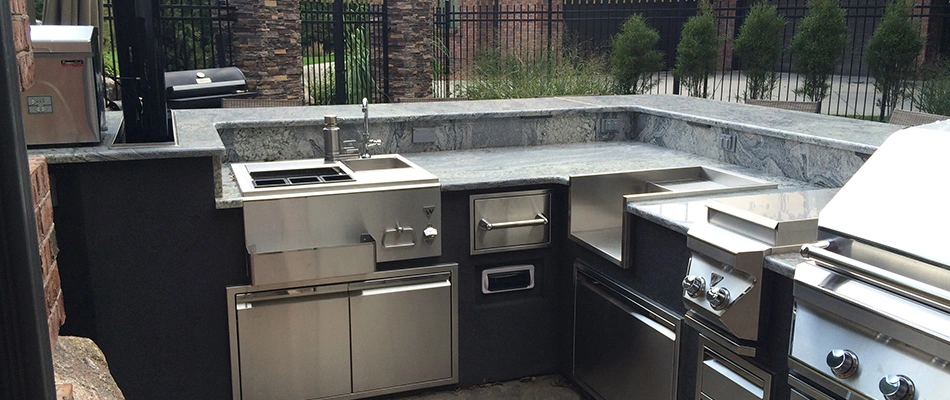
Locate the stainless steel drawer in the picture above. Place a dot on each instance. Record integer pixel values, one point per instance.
(726, 376)
(510, 221)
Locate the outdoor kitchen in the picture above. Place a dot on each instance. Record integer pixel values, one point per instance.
(208, 242)
(496, 257)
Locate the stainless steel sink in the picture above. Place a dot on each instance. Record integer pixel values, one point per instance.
(598, 201)
(375, 163)
(317, 176)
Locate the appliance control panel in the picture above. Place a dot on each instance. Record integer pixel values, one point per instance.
(715, 286)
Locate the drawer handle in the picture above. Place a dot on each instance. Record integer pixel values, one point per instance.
(539, 219)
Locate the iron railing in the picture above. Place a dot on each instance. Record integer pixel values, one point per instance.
(196, 34)
(345, 51)
(527, 31)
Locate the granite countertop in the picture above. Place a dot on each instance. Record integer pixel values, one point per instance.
(197, 130)
(187, 145)
(505, 167)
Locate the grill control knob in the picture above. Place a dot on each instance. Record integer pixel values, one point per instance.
(430, 233)
(843, 363)
(896, 387)
(718, 298)
(694, 285)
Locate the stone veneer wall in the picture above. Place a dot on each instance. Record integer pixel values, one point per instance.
(21, 40)
(410, 48)
(46, 236)
(266, 40)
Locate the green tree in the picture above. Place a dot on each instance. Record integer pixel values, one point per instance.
(634, 58)
(759, 46)
(818, 46)
(697, 51)
(933, 95)
(892, 54)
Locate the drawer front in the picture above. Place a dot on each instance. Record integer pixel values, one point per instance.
(510, 221)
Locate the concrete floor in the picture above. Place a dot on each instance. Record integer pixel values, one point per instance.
(550, 387)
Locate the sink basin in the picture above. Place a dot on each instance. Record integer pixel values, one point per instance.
(598, 201)
(375, 163)
(316, 176)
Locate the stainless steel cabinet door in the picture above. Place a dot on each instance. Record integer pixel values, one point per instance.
(294, 343)
(619, 352)
(401, 331)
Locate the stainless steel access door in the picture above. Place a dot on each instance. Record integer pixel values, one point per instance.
(621, 349)
(402, 331)
(294, 343)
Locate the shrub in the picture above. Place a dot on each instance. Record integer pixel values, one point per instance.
(892, 54)
(634, 58)
(697, 51)
(818, 46)
(933, 95)
(759, 46)
(496, 75)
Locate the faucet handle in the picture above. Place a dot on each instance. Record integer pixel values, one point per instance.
(373, 142)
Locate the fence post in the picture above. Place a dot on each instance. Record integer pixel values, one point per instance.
(339, 53)
(266, 38)
(410, 45)
(446, 39)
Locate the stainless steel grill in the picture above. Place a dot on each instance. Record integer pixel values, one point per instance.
(204, 88)
(872, 314)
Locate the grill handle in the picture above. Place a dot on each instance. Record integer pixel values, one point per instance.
(539, 219)
(928, 294)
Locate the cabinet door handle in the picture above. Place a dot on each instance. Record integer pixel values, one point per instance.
(405, 284)
(248, 300)
(539, 219)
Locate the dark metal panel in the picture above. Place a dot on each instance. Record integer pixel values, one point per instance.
(25, 354)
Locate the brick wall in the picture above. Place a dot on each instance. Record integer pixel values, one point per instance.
(266, 40)
(21, 40)
(521, 29)
(46, 235)
(725, 13)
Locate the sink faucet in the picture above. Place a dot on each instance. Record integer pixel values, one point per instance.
(365, 141)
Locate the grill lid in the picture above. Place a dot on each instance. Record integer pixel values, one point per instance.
(898, 199)
(204, 82)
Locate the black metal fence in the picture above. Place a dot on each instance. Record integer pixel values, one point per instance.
(547, 29)
(196, 34)
(345, 51)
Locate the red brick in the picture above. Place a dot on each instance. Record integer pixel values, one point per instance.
(46, 258)
(51, 287)
(53, 243)
(21, 33)
(24, 62)
(55, 320)
(46, 213)
(42, 174)
(18, 7)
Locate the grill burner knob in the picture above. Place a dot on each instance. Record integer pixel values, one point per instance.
(430, 233)
(896, 387)
(718, 298)
(694, 285)
(843, 363)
